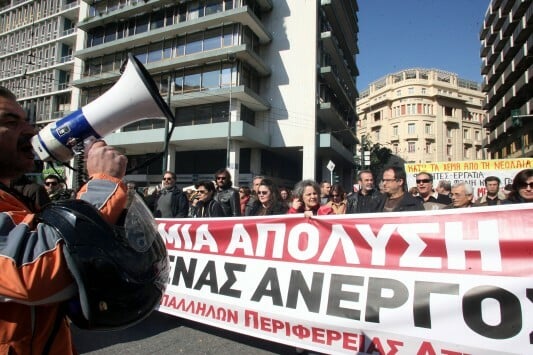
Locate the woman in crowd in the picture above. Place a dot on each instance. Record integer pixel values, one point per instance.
(268, 200)
(522, 188)
(337, 200)
(244, 195)
(203, 204)
(307, 199)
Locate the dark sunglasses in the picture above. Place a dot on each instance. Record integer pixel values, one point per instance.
(525, 185)
(423, 181)
(221, 178)
(167, 179)
(201, 191)
(50, 183)
(263, 192)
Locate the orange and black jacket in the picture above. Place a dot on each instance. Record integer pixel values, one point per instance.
(34, 278)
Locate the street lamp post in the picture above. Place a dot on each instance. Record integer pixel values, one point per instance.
(231, 60)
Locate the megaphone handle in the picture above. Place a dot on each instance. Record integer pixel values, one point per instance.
(88, 142)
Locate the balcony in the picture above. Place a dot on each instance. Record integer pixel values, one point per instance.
(451, 120)
(243, 15)
(331, 77)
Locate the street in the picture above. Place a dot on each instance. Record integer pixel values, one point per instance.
(162, 334)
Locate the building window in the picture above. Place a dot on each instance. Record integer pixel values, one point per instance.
(423, 91)
(410, 91)
(411, 147)
(377, 135)
(466, 152)
(411, 128)
(449, 133)
(448, 111)
(466, 133)
(428, 147)
(398, 92)
(448, 150)
(395, 148)
(395, 130)
(377, 116)
(429, 128)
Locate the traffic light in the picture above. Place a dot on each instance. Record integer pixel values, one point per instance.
(336, 179)
(516, 118)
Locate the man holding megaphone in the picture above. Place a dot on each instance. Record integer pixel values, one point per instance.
(58, 263)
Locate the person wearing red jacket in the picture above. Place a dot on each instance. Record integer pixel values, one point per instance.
(306, 199)
(34, 278)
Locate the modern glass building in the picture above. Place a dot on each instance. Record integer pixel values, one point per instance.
(507, 69)
(259, 86)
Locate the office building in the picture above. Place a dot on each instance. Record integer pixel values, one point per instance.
(37, 41)
(507, 69)
(273, 81)
(423, 115)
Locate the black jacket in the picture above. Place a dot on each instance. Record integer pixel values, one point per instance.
(407, 203)
(210, 208)
(359, 203)
(230, 201)
(275, 209)
(179, 204)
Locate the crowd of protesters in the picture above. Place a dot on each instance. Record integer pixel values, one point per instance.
(218, 198)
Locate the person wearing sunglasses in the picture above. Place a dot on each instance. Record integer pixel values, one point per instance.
(522, 188)
(55, 189)
(171, 201)
(226, 195)
(337, 200)
(429, 197)
(203, 204)
(268, 200)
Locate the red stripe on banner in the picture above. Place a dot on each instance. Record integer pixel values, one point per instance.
(495, 240)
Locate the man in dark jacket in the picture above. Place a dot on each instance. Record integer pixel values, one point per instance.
(397, 200)
(227, 196)
(367, 199)
(171, 202)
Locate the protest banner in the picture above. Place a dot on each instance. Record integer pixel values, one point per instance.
(431, 282)
(473, 172)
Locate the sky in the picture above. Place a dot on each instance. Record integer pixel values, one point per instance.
(400, 34)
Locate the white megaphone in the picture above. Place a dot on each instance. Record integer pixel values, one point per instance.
(133, 97)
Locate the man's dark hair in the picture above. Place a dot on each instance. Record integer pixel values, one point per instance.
(209, 186)
(8, 94)
(366, 171)
(171, 173)
(225, 172)
(425, 173)
(53, 176)
(399, 173)
(492, 178)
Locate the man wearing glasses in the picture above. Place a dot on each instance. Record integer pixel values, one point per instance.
(397, 200)
(426, 193)
(55, 189)
(227, 196)
(171, 202)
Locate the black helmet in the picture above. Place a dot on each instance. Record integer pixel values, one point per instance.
(121, 272)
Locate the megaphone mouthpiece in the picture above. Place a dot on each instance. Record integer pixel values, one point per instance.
(133, 97)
